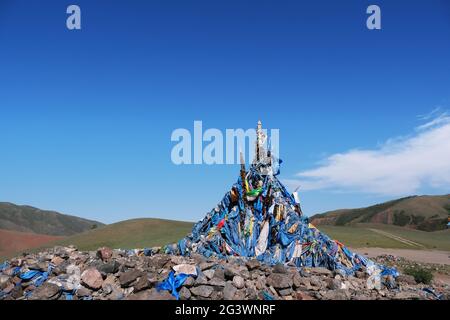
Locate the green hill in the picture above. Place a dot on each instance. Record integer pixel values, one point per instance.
(388, 236)
(32, 220)
(426, 213)
(130, 234)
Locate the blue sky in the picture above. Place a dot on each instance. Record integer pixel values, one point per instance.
(86, 116)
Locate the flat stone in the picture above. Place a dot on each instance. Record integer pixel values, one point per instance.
(202, 291)
(128, 277)
(142, 284)
(406, 295)
(151, 294)
(201, 280)
(206, 265)
(209, 273)
(40, 266)
(279, 281)
(216, 282)
(185, 269)
(336, 295)
(48, 291)
(321, 271)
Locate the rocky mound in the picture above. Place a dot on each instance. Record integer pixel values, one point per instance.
(64, 273)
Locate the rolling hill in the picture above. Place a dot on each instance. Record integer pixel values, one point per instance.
(130, 234)
(32, 220)
(426, 213)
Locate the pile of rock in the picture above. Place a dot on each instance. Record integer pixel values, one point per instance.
(109, 274)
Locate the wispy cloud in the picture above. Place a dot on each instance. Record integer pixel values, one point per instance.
(401, 166)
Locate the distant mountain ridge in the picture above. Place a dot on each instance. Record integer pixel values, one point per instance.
(28, 219)
(426, 213)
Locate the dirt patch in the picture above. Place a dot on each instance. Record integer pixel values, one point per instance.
(12, 242)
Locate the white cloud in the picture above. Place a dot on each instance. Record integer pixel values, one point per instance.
(401, 166)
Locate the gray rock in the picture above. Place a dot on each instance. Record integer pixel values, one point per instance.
(151, 294)
(229, 291)
(321, 271)
(239, 295)
(158, 261)
(83, 292)
(116, 294)
(206, 265)
(301, 282)
(315, 282)
(185, 293)
(110, 267)
(251, 294)
(333, 284)
(128, 277)
(209, 273)
(253, 264)
(230, 272)
(219, 273)
(189, 282)
(142, 284)
(238, 282)
(48, 291)
(40, 266)
(279, 281)
(201, 280)
(285, 292)
(216, 282)
(202, 291)
(407, 295)
(279, 268)
(260, 283)
(336, 295)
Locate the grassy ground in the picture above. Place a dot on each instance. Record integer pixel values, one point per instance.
(363, 236)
